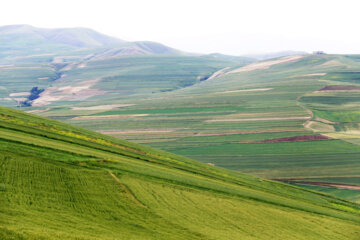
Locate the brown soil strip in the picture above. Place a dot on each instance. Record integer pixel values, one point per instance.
(314, 74)
(219, 73)
(322, 184)
(266, 64)
(308, 124)
(303, 138)
(19, 94)
(258, 119)
(246, 90)
(246, 132)
(337, 88)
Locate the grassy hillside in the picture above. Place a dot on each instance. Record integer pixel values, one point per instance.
(269, 120)
(62, 182)
(88, 81)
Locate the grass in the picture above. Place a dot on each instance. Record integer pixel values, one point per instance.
(64, 182)
(339, 116)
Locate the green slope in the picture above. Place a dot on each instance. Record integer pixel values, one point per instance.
(62, 182)
(227, 120)
(104, 80)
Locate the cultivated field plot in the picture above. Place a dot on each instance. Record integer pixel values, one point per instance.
(295, 117)
(62, 182)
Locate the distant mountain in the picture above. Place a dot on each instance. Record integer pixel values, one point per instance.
(72, 37)
(264, 56)
(136, 48)
(27, 41)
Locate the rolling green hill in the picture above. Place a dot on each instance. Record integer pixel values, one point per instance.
(63, 182)
(291, 119)
(87, 81)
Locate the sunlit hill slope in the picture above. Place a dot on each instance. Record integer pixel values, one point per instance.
(63, 182)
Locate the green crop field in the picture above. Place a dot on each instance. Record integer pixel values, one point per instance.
(275, 143)
(102, 138)
(58, 181)
(228, 120)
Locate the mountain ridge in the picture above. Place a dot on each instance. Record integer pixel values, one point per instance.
(25, 40)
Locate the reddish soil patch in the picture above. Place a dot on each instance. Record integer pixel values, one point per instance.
(257, 119)
(295, 139)
(323, 184)
(246, 132)
(340, 88)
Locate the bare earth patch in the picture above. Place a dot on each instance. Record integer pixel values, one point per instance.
(219, 73)
(258, 119)
(82, 65)
(266, 64)
(246, 132)
(323, 184)
(19, 94)
(108, 117)
(340, 88)
(332, 63)
(247, 90)
(68, 67)
(303, 138)
(20, 99)
(81, 91)
(314, 74)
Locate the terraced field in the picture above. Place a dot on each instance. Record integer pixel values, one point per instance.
(58, 181)
(239, 120)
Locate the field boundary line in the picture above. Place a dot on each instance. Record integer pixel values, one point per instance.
(127, 190)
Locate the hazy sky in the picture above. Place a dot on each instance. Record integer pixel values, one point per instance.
(226, 26)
